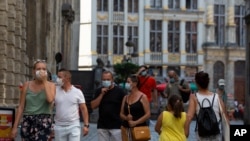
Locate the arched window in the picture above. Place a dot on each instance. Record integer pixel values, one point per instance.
(219, 69)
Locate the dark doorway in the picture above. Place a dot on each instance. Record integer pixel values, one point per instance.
(239, 81)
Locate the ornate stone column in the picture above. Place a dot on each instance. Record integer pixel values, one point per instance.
(164, 41)
(210, 40)
(182, 41)
(147, 38)
(231, 27)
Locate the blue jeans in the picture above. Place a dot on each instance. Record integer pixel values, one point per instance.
(67, 133)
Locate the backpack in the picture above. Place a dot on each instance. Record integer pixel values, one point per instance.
(184, 95)
(206, 119)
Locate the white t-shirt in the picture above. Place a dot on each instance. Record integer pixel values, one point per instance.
(67, 106)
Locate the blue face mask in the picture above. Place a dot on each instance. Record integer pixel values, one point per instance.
(106, 83)
(144, 73)
(128, 86)
(172, 80)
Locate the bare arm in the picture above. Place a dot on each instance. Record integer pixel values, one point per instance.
(159, 123)
(224, 111)
(19, 110)
(50, 90)
(190, 113)
(122, 115)
(96, 102)
(85, 115)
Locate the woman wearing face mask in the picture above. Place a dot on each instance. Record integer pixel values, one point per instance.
(35, 106)
(135, 109)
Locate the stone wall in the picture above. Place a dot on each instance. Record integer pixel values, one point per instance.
(30, 30)
(13, 59)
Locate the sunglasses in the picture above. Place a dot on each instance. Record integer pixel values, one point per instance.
(39, 61)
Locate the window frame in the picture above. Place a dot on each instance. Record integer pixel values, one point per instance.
(155, 32)
(100, 44)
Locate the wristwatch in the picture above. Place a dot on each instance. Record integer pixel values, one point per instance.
(86, 125)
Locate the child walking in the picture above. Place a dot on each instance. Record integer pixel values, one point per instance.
(171, 123)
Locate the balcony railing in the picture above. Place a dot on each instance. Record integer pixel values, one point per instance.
(191, 58)
(156, 57)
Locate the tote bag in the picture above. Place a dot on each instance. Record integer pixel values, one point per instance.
(224, 125)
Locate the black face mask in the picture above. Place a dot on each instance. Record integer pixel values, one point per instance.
(221, 87)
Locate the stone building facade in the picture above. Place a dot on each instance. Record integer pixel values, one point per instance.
(185, 35)
(30, 30)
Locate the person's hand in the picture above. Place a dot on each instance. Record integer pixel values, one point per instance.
(85, 131)
(132, 123)
(129, 117)
(13, 133)
(43, 75)
(104, 90)
(141, 70)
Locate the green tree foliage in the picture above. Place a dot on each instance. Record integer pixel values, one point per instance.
(123, 70)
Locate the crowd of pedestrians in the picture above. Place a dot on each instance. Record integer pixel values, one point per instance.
(119, 110)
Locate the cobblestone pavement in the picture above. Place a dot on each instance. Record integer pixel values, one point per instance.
(92, 136)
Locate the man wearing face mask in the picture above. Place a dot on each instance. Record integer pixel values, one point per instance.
(68, 101)
(147, 85)
(175, 86)
(108, 99)
(221, 90)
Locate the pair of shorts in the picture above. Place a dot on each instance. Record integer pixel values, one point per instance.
(36, 127)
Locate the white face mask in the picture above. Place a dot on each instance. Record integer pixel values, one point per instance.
(38, 73)
(128, 86)
(106, 83)
(59, 81)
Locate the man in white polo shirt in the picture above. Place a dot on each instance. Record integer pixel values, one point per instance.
(68, 101)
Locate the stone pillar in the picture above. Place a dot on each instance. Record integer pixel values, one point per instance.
(200, 5)
(183, 5)
(230, 77)
(247, 95)
(200, 41)
(164, 41)
(210, 40)
(182, 72)
(147, 4)
(231, 27)
(182, 41)
(141, 32)
(165, 4)
(164, 71)
(147, 39)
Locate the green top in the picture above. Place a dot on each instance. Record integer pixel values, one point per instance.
(36, 103)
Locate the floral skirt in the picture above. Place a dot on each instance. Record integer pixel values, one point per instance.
(36, 127)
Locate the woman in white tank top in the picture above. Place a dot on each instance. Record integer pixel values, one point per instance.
(202, 82)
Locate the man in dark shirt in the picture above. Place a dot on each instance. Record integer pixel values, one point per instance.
(109, 99)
